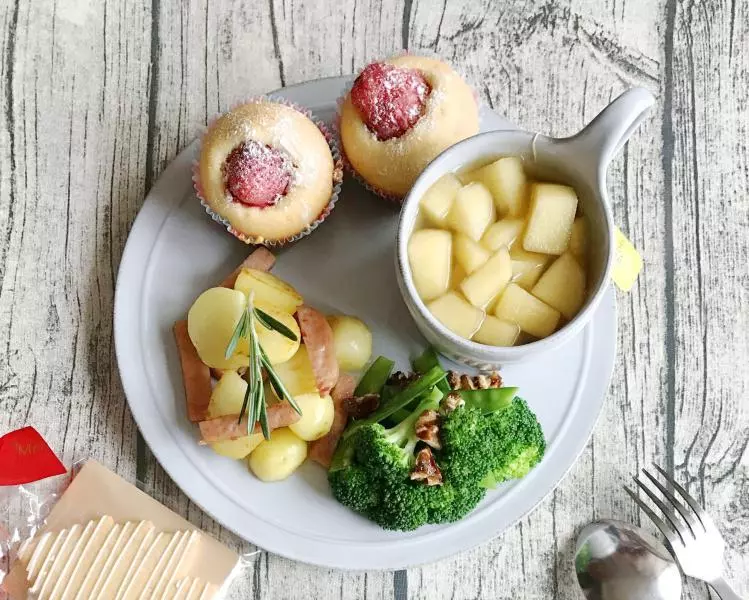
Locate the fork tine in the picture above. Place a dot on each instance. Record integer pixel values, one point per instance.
(664, 529)
(683, 510)
(699, 511)
(668, 512)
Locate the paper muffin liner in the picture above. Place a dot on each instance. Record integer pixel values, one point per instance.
(396, 199)
(335, 152)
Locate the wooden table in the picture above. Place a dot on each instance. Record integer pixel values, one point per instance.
(97, 97)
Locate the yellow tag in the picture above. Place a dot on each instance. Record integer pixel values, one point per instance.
(627, 262)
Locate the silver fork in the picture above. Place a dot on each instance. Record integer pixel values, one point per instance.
(694, 539)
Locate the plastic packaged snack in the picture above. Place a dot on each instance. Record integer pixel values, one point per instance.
(89, 533)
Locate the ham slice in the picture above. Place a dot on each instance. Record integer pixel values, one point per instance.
(318, 339)
(321, 451)
(196, 376)
(261, 259)
(229, 427)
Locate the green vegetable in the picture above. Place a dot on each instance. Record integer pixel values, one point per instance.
(489, 400)
(375, 378)
(516, 443)
(400, 400)
(371, 473)
(489, 449)
(492, 437)
(391, 451)
(427, 361)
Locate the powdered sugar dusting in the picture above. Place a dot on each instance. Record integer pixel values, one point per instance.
(389, 99)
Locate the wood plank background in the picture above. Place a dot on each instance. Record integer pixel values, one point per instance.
(97, 97)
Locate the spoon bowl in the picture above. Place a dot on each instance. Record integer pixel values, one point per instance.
(618, 561)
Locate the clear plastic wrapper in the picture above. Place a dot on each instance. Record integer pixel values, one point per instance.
(33, 483)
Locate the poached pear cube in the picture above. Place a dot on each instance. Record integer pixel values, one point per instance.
(506, 180)
(469, 254)
(527, 267)
(531, 314)
(487, 282)
(495, 332)
(562, 286)
(456, 314)
(502, 233)
(430, 253)
(579, 239)
(551, 214)
(438, 199)
(472, 211)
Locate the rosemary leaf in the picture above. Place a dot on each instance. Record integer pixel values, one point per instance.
(245, 402)
(278, 385)
(274, 324)
(239, 332)
(264, 417)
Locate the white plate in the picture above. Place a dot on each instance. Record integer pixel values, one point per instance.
(175, 251)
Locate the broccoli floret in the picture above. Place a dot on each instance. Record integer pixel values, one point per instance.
(453, 500)
(352, 486)
(370, 473)
(390, 452)
(464, 456)
(404, 506)
(517, 443)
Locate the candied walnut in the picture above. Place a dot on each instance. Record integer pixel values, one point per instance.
(458, 381)
(402, 379)
(427, 428)
(426, 469)
(360, 407)
(450, 402)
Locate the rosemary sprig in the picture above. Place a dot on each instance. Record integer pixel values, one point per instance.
(270, 323)
(254, 398)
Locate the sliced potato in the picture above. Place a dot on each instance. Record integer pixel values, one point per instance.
(552, 212)
(317, 416)
(430, 254)
(531, 314)
(297, 374)
(239, 448)
(211, 321)
(226, 399)
(472, 211)
(438, 199)
(488, 281)
(469, 254)
(227, 396)
(562, 286)
(527, 267)
(277, 458)
(495, 332)
(278, 347)
(505, 179)
(502, 233)
(269, 291)
(353, 342)
(456, 314)
(579, 239)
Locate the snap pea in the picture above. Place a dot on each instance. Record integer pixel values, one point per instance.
(375, 378)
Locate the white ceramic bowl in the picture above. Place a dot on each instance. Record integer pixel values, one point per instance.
(580, 161)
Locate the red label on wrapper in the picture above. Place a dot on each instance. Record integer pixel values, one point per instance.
(26, 457)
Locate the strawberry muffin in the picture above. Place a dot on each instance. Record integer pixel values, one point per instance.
(399, 115)
(267, 172)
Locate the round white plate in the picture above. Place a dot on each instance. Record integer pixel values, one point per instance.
(175, 251)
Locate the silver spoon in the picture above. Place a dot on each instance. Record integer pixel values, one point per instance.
(618, 561)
